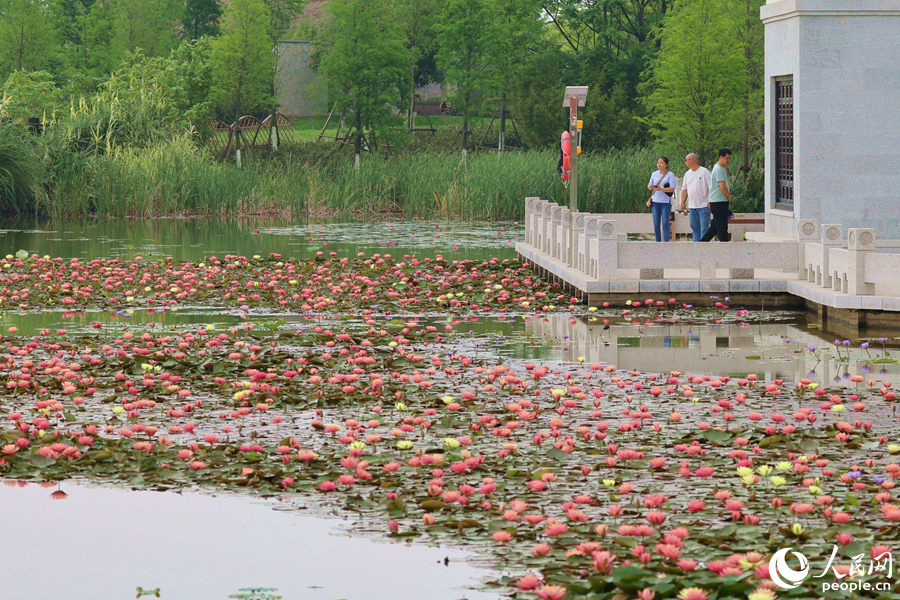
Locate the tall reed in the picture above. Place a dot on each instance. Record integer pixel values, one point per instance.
(485, 186)
(172, 178)
(175, 177)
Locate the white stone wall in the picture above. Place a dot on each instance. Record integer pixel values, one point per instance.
(844, 56)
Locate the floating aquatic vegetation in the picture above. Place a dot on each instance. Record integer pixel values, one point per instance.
(583, 480)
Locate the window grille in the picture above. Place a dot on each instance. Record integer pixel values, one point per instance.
(784, 143)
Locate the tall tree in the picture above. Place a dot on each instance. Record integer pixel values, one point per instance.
(749, 34)
(282, 13)
(614, 42)
(27, 37)
(470, 37)
(536, 98)
(364, 61)
(417, 18)
(240, 59)
(147, 25)
(520, 39)
(200, 18)
(85, 28)
(697, 80)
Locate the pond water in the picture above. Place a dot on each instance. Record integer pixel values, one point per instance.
(195, 239)
(198, 546)
(777, 345)
(105, 543)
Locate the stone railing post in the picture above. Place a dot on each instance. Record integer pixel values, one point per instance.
(555, 222)
(547, 227)
(577, 253)
(562, 242)
(860, 241)
(591, 229)
(831, 237)
(807, 231)
(538, 217)
(607, 250)
(530, 204)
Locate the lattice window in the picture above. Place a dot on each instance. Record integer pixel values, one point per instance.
(784, 143)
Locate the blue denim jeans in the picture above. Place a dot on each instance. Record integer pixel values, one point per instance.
(661, 212)
(699, 222)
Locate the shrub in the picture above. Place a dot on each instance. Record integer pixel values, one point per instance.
(21, 170)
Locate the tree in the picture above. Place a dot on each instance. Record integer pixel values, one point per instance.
(697, 80)
(364, 61)
(200, 19)
(417, 19)
(614, 42)
(143, 24)
(27, 38)
(520, 32)
(241, 59)
(536, 99)
(469, 35)
(749, 33)
(85, 28)
(281, 14)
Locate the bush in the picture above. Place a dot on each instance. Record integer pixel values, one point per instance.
(28, 94)
(21, 170)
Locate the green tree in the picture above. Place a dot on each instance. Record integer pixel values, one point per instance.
(520, 33)
(200, 18)
(417, 19)
(27, 37)
(281, 14)
(470, 39)
(613, 42)
(364, 61)
(147, 25)
(749, 35)
(180, 82)
(697, 80)
(241, 59)
(85, 29)
(536, 99)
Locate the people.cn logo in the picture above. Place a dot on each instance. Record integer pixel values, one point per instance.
(784, 576)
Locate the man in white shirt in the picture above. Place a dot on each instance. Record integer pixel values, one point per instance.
(695, 186)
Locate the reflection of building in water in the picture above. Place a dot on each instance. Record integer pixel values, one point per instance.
(772, 350)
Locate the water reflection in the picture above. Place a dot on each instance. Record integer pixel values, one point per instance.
(196, 238)
(196, 547)
(787, 350)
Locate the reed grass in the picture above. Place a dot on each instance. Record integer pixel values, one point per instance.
(173, 178)
(487, 186)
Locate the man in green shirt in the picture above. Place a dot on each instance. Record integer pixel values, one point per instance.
(719, 197)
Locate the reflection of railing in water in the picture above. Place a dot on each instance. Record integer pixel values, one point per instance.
(778, 349)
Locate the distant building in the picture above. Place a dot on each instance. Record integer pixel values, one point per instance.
(300, 91)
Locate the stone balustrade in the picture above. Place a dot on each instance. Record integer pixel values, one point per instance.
(855, 269)
(819, 254)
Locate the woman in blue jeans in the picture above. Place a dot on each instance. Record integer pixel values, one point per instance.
(662, 184)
